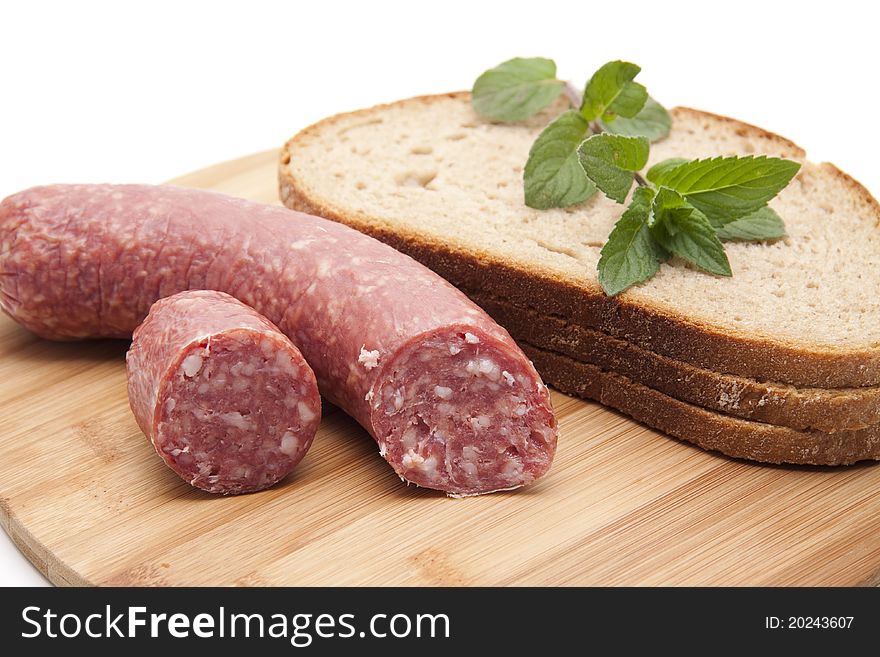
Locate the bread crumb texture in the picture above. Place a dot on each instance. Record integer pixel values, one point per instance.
(432, 167)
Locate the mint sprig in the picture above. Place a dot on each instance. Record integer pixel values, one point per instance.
(554, 175)
(684, 208)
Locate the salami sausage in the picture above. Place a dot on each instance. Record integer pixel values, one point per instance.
(451, 400)
(226, 399)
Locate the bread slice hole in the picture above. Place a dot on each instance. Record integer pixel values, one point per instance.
(415, 178)
(561, 250)
(421, 150)
(457, 136)
(362, 124)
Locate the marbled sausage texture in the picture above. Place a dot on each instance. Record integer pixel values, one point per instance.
(451, 400)
(225, 398)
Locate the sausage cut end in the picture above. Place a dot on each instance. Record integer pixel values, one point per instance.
(462, 411)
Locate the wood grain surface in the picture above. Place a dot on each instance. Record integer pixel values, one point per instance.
(85, 497)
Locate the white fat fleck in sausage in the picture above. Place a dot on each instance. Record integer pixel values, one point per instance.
(289, 443)
(191, 365)
(282, 362)
(443, 392)
(470, 338)
(305, 413)
(489, 368)
(369, 359)
(409, 439)
(480, 422)
(325, 268)
(469, 453)
(509, 378)
(415, 461)
(236, 419)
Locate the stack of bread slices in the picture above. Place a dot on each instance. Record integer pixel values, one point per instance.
(780, 363)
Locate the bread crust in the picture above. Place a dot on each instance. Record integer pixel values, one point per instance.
(710, 430)
(626, 316)
(823, 409)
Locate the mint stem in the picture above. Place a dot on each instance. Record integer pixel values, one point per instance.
(575, 95)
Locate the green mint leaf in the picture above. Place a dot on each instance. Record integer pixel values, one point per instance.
(661, 169)
(516, 89)
(609, 161)
(668, 209)
(611, 91)
(628, 104)
(631, 255)
(763, 224)
(653, 122)
(686, 232)
(553, 177)
(727, 188)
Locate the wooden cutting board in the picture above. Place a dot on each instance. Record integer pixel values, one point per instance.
(88, 501)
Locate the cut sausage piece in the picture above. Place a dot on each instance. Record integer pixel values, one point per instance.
(461, 410)
(226, 399)
(452, 401)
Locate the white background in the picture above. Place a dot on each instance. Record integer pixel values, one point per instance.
(143, 92)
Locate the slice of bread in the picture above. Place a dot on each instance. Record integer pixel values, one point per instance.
(823, 409)
(730, 435)
(792, 340)
(436, 181)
